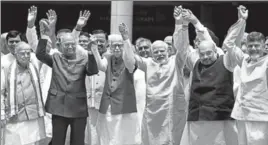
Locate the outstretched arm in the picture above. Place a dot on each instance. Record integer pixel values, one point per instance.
(128, 53)
(31, 33)
(81, 23)
(102, 63)
(43, 43)
(234, 54)
(180, 37)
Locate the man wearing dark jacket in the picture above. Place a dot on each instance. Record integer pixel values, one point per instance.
(67, 98)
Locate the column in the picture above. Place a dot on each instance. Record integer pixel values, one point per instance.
(121, 12)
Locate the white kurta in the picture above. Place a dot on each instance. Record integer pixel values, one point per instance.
(140, 88)
(165, 112)
(251, 104)
(94, 86)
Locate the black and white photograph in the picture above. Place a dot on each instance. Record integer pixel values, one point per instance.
(134, 73)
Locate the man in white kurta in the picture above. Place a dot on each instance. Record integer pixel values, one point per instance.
(143, 49)
(251, 104)
(24, 105)
(165, 111)
(95, 86)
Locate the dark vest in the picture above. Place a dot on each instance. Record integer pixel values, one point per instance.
(119, 91)
(211, 93)
(67, 95)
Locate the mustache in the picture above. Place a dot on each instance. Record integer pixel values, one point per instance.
(160, 57)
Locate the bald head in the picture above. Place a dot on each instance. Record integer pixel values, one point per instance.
(115, 38)
(207, 45)
(168, 39)
(67, 37)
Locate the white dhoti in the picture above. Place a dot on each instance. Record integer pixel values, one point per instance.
(252, 132)
(2, 139)
(122, 129)
(24, 133)
(91, 137)
(210, 133)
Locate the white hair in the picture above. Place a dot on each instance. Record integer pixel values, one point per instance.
(114, 37)
(21, 45)
(158, 43)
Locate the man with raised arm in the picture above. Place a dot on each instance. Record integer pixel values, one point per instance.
(67, 99)
(211, 93)
(165, 111)
(95, 86)
(21, 91)
(118, 122)
(251, 104)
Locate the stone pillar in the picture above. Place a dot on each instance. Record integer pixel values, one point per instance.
(121, 12)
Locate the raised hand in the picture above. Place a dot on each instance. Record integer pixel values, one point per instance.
(177, 13)
(32, 13)
(242, 12)
(83, 17)
(189, 16)
(45, 28)
(93, 46)
(123, 31)
(52, 18)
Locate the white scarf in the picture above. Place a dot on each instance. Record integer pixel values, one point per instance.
(13, 86)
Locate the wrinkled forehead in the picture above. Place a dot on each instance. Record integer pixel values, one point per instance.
(117, 42)
(67, 37)
(23, 47)
(249, 43)
(159, 47)
(206, 46)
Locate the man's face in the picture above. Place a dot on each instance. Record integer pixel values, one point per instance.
(83, 41)
(144, 49)
(68, 45)
(207, 53)
(12, 42)
(255, 49)
(23, 55)
(117, 48)
(160, 54)
(102, 42)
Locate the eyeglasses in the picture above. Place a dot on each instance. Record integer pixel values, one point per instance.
(117, 45)
(143, 47)
(68, 44)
